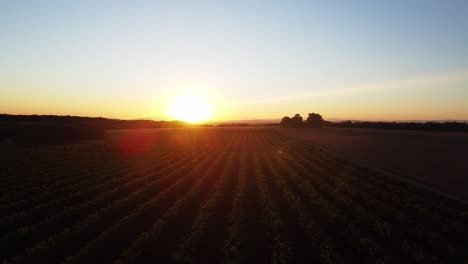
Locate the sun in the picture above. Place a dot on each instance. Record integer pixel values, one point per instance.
(190, 108)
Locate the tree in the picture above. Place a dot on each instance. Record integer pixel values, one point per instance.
(297, 120)
(286, 121)
(315, 120)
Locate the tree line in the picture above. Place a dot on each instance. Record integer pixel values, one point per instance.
(101, 122)
(55, 129)
(316, 120)
(422, 126)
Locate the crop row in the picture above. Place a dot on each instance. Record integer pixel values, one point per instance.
(52, 184)
(57, 245)
(234, 196)
(88, 190)
(27, 235)
(385, 224)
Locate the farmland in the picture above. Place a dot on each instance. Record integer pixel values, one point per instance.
(436, 159)
(210, 195)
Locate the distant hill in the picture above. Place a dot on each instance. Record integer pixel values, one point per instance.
(247, 121)
(56, 129)
(101, 122)
(400, 121)
(278, 120)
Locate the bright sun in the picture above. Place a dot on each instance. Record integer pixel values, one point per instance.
(190, 108)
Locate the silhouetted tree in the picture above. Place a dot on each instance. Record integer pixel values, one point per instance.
(286, 122)
(315, 120)
(297, 120)
(423, 126)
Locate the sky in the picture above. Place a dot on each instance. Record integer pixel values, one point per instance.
(366, 60)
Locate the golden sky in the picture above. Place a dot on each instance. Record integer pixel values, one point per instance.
(247, 60)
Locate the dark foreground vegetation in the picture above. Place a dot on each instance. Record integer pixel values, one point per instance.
(105, 123)
(235, 195)
(59, 129)
(316, 120)
(420, 126)
(49, 132)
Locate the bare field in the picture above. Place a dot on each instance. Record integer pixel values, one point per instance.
(438, 159)
(231, 195)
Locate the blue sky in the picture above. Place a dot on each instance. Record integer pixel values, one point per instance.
(253, 59)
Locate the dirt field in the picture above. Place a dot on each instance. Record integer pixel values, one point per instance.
(437, 159)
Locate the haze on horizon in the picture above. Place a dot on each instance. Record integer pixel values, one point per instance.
(366, 60)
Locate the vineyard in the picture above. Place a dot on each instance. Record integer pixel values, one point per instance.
(230, 195)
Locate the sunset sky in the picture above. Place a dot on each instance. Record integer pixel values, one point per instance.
(368, 60)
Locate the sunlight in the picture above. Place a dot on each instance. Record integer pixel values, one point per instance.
(190, 108)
